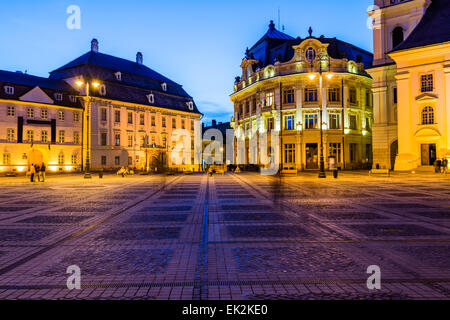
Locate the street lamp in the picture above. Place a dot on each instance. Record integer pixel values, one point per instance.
(88, 102)
(312, 76)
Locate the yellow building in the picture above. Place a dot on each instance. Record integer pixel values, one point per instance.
(411, 83)
(302, 86)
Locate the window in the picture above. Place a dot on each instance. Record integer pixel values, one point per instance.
(428, 115)
(163, 122)
(103, 160)
(30, 113)
(61, 115)
(353, 96)
(74, 159)
(334, 95)
(117, 116)
(310, 95)
(104, 115)
(395, 95)
(130, 161)
(117, 161)
(289, 96)
(130, 117)
(397, 36)
(44, 136)
(270, 124)
(311, 120)
(164, 142)
(10, 135)
(192, 125)
(334, 150)
(58, 96)
(118, 76)
(289, 122)
(44, 114)
(174, 123)
(60, 159)
(427, 83)
(368, 98)
(151, 98)
(269, 102)
(310, 54)
(190, 105)
(353, 148)
(153, 140)
(353, 125)
(76, 116)
(153, 121)
(142, 141)
(61, 136)
(367, 124)
(117, 139)
(9, 90)
(102, 90)
(289, 153)
(335, 121)
(76, 138)
(130, 141)
(7, 159)
(73, 99)
(164, 86)
(11, 111)
(183, 124)
(30, 135)
(104, 138)
(142, 119)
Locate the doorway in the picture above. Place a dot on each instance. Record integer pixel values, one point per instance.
(428, 154)
(312, 156)
(394, 152)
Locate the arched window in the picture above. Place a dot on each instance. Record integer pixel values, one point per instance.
(428, 115)
(310, 54)
(397, 36)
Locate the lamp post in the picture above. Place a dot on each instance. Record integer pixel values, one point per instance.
(88, 101)
(312, 76)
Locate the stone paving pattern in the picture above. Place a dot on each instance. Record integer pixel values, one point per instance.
(244, 237)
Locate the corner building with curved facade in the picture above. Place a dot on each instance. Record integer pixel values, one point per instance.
(296, 85)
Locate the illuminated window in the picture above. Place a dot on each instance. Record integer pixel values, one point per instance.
(118, 76)
(289, 96)
(44, 136)
(190, 105)
(74, 159)
(130, 141)
(61, 115)
(7, 159)
(60, 159)
(353, 96)
(10, 135)
(11, 111)
(30, 135)
(76, 117)
(311, 95)
(289, 122)
(427, 83)
(130, 118)
(311, 120)
(142, 119)
(270, 124)
(117, 160)
(104, 114)
(163, 122)
(76, 138)
(58, 96)
(334, 150)
(164, 142)
(117, 116)
(353, 122)
(428, 115)
(30, 113)
(269, 102)
(151, 98)
(9, 90)
(62, 137)
(44, 114)
(289, 153)
(164, 86)
(334, 121)
(334, 95)
(183, 124)
(117, 139)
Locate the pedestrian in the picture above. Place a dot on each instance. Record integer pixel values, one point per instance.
(37, 168)
(42, 171)
(32, 172)
(444, 165)
(437, 166)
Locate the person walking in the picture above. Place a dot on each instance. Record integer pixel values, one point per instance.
(32, 172)
(42, 172)
(444, 165)
(38, 172)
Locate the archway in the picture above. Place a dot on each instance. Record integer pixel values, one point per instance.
(35, 156)
(394, 152)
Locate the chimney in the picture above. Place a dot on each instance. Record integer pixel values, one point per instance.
(214, 123)
(139, 58)
(94, 45)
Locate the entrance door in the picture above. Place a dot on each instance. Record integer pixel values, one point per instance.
(428, 154)
(312, 156)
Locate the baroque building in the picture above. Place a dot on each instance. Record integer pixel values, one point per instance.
(411, 83)
(302, 88)
(97, 110)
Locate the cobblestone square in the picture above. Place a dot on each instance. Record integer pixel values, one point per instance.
(237, 236)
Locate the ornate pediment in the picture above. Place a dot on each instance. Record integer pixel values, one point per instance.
(427, 97)
(36, 95)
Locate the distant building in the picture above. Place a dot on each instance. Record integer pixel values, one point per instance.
(279, 89)
(133, 112)
(212, 130)
(411, 83)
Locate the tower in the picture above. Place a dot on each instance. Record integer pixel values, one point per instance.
(393, 22)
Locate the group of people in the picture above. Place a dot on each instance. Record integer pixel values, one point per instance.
(441, 166)
(37, 172)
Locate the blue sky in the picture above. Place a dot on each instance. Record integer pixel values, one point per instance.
(198, 44)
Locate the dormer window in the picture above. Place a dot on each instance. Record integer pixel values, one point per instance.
(118, 76)
(190, 105)
(9, 90)
(73, 99)
(102, 90)
(164, 86)
(58, 96)
(151, 98)
(310, 54)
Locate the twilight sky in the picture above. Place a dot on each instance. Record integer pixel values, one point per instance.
(196, 43)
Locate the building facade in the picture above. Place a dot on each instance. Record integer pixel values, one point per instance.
(298, 87)
(126, 115)
(411, 83)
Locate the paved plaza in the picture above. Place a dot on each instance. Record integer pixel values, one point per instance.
(245, 237)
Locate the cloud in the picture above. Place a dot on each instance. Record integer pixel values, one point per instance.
(212, 107)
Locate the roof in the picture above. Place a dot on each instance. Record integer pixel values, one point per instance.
(434, 27)
(222, 127)
(24, 83)
(273, 33)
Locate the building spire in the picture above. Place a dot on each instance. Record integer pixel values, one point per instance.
(94, 45)
(271, 25)
(310, 31)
